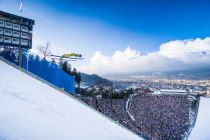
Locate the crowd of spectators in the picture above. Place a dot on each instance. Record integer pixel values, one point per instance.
(88, 100)
(157, 117)
(161, 116)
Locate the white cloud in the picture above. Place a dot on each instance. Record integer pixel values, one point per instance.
(174, 55)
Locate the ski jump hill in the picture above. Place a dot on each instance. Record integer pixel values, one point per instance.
(30, 109)
(202, 124)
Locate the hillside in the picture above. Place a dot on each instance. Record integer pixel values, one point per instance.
(30, 109)
(91, 80)
(202, 125)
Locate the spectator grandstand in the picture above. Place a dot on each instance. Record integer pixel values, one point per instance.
(155, 116)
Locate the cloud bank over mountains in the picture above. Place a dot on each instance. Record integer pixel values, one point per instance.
(173, 55)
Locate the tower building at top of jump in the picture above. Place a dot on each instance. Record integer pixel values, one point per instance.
(15, 31)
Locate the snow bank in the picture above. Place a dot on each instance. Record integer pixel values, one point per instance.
(202, 125)
(31, 110)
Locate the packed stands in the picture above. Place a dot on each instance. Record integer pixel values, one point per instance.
(156, 116)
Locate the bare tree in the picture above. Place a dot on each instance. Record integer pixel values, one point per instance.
(44, 50)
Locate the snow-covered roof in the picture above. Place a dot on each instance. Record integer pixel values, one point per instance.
(173, 90)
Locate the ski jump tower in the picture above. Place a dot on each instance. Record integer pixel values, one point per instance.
(15, 33)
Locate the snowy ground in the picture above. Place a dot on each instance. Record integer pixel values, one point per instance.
(202, 126)
(31, 110)
(128, 106)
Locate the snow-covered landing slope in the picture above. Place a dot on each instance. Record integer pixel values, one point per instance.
(32, 110)
(201, 130)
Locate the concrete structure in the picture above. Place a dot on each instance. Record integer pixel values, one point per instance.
(15, 31)
(173, 91)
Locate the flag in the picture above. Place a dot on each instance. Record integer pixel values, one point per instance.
(21, 7)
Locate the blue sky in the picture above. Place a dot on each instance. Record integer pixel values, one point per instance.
(107, 26)
(174, 19)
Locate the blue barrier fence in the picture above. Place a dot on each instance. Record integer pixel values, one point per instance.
(49, 72)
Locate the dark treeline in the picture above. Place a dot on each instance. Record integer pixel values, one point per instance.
(72, 72)
(110, 92)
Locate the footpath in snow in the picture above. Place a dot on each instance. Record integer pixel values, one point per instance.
(202, 125)
(32, 110)
(127, 106)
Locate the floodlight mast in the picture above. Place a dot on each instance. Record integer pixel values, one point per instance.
(20, 49)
